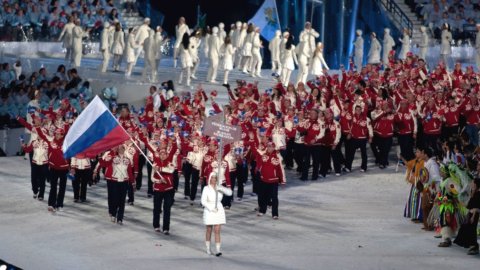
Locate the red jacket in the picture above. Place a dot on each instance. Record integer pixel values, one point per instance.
(383, 125)
(406, 122)
(270, 168)
(332, 134)
(361, 127)
(117, 168)
(312, 130)
(432, 124)
(55, 153)
(472, 113)
(451, 115)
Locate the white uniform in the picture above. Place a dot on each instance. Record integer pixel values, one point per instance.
(143, 33)
(274, 47)
(187, 64)
(309, 36)
(358, 53)
(318, 63)
(247, 51)
(150, 56)
(423, 45)
(105, 48)
(212, 216)
(195, 43)
(228, 55)
(304, 54)
(67, 36)
(118, 48)
(236, 39)
(130, 53)
(256, 62)
(158, 45)
(239, 45)
(288, 63)
(405, 47)
(213, 55)
(374, 52)
(180, 30)
(445, 46)
(78, 34)
(388, 44)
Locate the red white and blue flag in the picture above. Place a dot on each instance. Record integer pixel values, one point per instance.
(94, 131)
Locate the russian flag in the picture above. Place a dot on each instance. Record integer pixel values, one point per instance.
(94, 131)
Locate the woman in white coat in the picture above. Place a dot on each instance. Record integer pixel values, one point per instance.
(185, 59)
(247, 48)
(118, 46)
(180, 29)
(256, 62)
(213, 55)
(388, 44)
(213, 212)
(228, 54)
(405, 40)
(423, 44)
(274, 47)
(445, 45)
(130, 48)
(78, 34)
(289, 60)
(318, 64)
(375, 48)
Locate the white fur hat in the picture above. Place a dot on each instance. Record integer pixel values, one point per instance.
(359, 32)
(387, 30)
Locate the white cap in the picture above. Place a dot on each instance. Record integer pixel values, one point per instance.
(359, 32)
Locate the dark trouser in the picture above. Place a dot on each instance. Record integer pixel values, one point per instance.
(406, 143)
(289, 153)
(117, 192)
(187, 174)
(337, 155)
(351, 146)
(324, 153)
(255, 178)
(449, 132)
(131, 193)
(268, 192)
(141, 163)
(375, 149)
(311, 152)
(175, 180)
(56, 199)
(194, 186)
(39, 175)
(242, 176)
(82, 178)
(298, 154)
(150, 183)
(227, 200)
(165, 197)
(431, 140)
(384, 145)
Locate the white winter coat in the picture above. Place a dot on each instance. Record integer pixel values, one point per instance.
(228, 53)
(78, 34)
(193, 49)
(143, 33)
(104, 39)
(130, 48)
(309, 36)
(67, 35)
(210, 217)
(388, 44)
(358, 47)
(445, 46)
(118, 43)
(289, 58)
(180, 30)
(248, 44)
(317, 64)
(274, 48)
(158, 45)
(374, 52)
(405, 47)
(185, 57)
(213, 47)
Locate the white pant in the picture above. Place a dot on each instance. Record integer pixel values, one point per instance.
(302, 69)
(256, 63)
(106, 59)
(149, 65)
(186, 72)
(286, 76)
(212, 69)
(358, 61)
(277, 67)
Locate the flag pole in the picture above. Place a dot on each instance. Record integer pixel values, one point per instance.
(219, 162)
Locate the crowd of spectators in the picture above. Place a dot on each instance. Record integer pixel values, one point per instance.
(460, 15)
(26, 20)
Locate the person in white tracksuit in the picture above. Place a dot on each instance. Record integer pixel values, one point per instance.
(213, 55)
(375, 48)
(318, 64)
(228, 52)
(388, 44)
(130, 51)
(235, 37)
(185, 59)
(289, 60)
(195, 42)
(239, 46)
(358, 52)
(118, 46)
(305, 51)
(405, 40)
(213, 211)
(149, 64)
(159, 42)
(247, 48)
(142, 34)
(445, 45)
(180, 29)
(221, 33)
(67, 37)
(256, 62)
(105, 46)
(274, 48)
(78, 34)
(423, 44)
